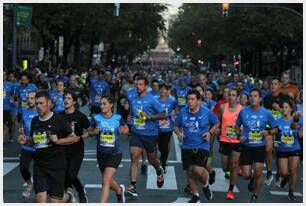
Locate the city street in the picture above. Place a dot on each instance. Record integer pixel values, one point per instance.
(175, 179)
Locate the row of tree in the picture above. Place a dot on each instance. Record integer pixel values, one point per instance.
(137, 27)
(249, 30)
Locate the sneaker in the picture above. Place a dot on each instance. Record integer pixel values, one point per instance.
(227, 175)
(212, 177)
(268, 180)
(253, 199)
(131, 191)
(121, 197)
(251, 185)
(144, 169)
(27, 191)
(71, 193)
(187, 189)
(230, 195)
(290, 196)
(207, 193)
(284, 183)
(83, 199)
(160, 179)
(194, 199)
(278, 180)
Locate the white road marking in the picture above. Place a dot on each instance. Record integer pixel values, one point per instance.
(181, 200)
(98, 186)
(177, 148)
(221, 184)
(9, 166)
(283, 193)
(170, 179)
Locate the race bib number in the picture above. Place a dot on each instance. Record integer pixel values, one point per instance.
(139, 123)
(164, 124)
(276, 114)
(230, 132)
(287, 140)
(255, 137)
(182, 100)
(25, 104)
(107, 139)
(40, 140)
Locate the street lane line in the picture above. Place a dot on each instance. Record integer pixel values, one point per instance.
(169, 177)
(98, 186)
(181, 200)
(9, 166)
(221, 184)
(177, 148)
(283, 193)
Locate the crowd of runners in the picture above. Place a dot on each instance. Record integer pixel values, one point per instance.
(249, 120)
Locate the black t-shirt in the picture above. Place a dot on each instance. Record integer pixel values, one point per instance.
(48, 154)
(77, 122)
(279, 99)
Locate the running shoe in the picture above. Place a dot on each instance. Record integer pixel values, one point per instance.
(194, 199)
(291, 196)
(253, 199)
(227, 175)
(278, 180)
(269, 179)
(207, 193)
(27, 191)
(121, 197)
(71, 193)
(83, 198)
(212, 177)
(284, 182)
(131, 191)
(160, 179)
(230, 195)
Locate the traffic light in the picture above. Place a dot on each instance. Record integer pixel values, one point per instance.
(199, 42)
(225, 7)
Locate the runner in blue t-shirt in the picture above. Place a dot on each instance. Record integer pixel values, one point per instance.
(155, 89)
(181, 93)
(27, 151)
(109, 151)
(57, 97)
(195, 125)
(288, 148)
(145, 110)
(165, 125)
(8, 92)
(254, 119)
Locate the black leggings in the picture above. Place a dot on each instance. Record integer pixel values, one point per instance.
(163, 146)
(25, 161)
(74, 162)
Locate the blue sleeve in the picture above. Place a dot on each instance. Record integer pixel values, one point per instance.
(93, 122)
(212, 118)
(239, 118)
(157, 106)
(271, 121)
(34, 88)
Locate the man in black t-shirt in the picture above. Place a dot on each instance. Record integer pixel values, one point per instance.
(273, 102)
(49, 131)
(75, 152)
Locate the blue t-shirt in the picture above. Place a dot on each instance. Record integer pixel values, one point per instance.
(14, 107)
(167, 124)
(27, 116)
(22, 93)
(194, 125)
(59, 104)
(100, 89)
(181, 96)
(108, 143)
(149, 105)
(254, 121)
(210, 104)
(289, 140)
(156, 95)
(8, 91)
(131, 94)
(65, 79)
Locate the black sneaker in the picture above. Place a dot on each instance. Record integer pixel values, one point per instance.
(269, 178)
(194, 199)
(144, 169)
(160, 179)
(251, 185)
(253, 199)
(131, 191)
(212, 177)
(207, 193)
(83, 198)
(291, 196)
(277, 180)
(187, 189)
(121, 197)
(284, 182)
